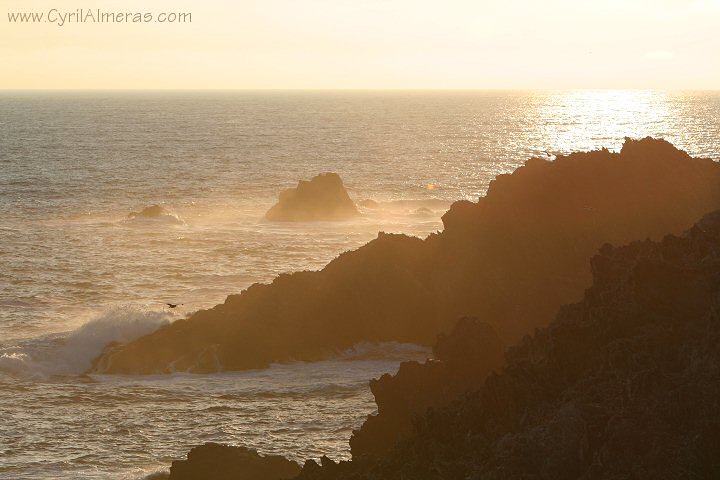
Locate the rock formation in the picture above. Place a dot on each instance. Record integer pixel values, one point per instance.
(462, 361)
(322, 198)
(511, 259)
(221, 462)
(303, 316)
(624, 384)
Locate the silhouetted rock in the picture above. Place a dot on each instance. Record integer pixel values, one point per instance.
(322, 198)
(303, 316)
(222, 462)
(462, 362)
(623, 385)
(511, 259)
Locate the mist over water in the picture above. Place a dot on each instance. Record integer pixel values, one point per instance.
(76, 272)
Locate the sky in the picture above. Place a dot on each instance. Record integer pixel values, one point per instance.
(366, 44)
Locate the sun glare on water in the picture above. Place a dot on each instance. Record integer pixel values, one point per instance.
(584, 120)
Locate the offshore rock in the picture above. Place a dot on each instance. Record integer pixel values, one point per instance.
(322, 198)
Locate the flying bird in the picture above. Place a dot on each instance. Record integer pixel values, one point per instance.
(173, 305)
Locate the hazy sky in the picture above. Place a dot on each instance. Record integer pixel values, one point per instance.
(369, 44)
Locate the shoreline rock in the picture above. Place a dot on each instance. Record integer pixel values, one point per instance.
(623, 384)
(213, 461)
(462, 360)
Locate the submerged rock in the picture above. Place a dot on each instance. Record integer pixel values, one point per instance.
(155, 212)
(423, 212)
(511, 259)
(150, 212)
(624, 384)
(322, 198)
(213, 461)
(369, 204)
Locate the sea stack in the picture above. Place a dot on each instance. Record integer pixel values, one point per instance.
(322, 198)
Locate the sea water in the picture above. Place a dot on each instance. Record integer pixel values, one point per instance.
(76, 272)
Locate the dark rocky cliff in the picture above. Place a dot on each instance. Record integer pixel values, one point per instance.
(511, 259)
(461, 363)
(623, 385)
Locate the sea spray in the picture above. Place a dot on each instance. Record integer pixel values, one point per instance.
(386, 351)
(71, 353)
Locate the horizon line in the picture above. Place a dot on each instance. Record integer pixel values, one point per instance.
(313, 89)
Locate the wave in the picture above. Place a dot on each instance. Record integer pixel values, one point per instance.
(161, 474)
(14, 362)
(71, 353)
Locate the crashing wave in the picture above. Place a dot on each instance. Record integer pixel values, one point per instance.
(71, 353)
(14, 362)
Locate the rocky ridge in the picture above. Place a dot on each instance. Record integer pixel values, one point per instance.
(510, 259)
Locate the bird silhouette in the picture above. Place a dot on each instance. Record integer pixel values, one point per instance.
(173, 305)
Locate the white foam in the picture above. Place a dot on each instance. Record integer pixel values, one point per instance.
(157, 475)
(14, 362)
(73, 352)
(433, 205)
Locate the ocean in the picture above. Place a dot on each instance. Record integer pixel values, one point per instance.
(76, 271)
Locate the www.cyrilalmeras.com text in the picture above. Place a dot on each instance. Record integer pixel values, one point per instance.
(96, 15)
